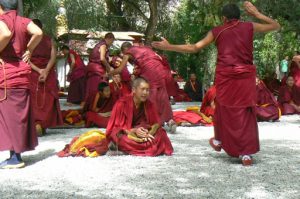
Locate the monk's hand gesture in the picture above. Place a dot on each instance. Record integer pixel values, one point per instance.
(26, 56)
(43, 75)
(251, 9)
(162, 45)
(141, 132)
(1, 62)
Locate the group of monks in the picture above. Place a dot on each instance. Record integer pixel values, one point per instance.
(134, 111)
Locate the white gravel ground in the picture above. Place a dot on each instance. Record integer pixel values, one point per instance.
(194, 171)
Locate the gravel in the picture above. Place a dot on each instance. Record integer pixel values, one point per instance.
(194, 171)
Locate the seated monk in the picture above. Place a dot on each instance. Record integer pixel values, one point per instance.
(193, 88)
(272, 83)
(288, 104)
(267, 108)
(118, 87)
(134, 124)
(99, 106)
(181, 95)
(208, 103)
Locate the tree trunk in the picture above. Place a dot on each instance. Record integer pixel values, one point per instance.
(20, 8)
(153, 20)
(115, 9)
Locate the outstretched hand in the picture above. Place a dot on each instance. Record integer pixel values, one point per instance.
(162, 45)
(251, 9)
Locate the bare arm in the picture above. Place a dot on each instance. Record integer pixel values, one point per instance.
(52, 60)
(5, 35)
(102, 52)
(268, 25)
(36, 36)
(72, 64)
(94, 108)
(122, 65)
(185, 48)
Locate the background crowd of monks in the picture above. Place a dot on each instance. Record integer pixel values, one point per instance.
(134, 107)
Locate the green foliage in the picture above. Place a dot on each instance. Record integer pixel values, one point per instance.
(194, 18)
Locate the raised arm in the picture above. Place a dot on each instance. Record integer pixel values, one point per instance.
(5, 35)
(103, 58)
(269, 23)
(185, 48)
(36, 36)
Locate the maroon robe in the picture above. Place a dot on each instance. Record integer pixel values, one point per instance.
(17, 129)
(104, 104)
(119, 90)
(149, 66)
(267, 108)
(295, 73)
(285, 98)
(76, 90)
(95, 71)
(235, 117)
(209, 97)
(45, 99)
(169, 80)
(126, 116)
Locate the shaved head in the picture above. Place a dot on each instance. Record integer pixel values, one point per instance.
(138, 81)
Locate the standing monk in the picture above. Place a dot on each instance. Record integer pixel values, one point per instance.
(76, 76)
(43, 83)
(235, 119)
(98, 64)
(148, 65)
(295, 73)
(134, 124)
(17, 131)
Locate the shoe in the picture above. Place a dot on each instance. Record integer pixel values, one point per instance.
(247, 160)
(215, 147)
(12, 163)
(173, 126)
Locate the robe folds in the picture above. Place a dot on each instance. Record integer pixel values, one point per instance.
(17, 129)
(125, 117)
(95, 70)
(235, 122)
(76, 78)
(267, 107)
(209, 97)
(286, 96)
(45, 99)
(104, 105)
(149, 66)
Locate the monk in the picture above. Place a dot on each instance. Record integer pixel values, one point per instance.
(118, 87)
(43, 84)
(193, 88)
(295, 73)
(267, 107)
(235, 122)
(180, 95)
(208, 104)
(76, 76)
(134, 124)
(99, 110)
(149, 66)
(169, 80)
(125, 75)
(18, 38)
(286, 98)
(272, 83)
(98, 65)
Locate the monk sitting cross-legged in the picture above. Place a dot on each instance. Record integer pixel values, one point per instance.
(134, 124)
(99, 106)
(286, 98)
(267, 108)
